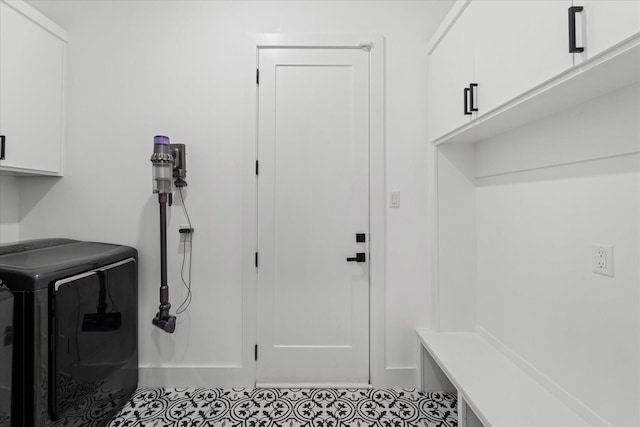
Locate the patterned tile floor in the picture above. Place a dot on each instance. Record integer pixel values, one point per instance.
(287, 408)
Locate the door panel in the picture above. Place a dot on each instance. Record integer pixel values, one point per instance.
(313, 197)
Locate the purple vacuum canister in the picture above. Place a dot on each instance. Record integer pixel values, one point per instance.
(162, 161)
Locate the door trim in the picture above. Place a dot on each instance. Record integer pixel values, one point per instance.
(377, 188)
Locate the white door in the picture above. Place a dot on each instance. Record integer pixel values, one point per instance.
(313, 198)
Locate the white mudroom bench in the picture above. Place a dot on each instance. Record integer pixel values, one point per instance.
(492, 390)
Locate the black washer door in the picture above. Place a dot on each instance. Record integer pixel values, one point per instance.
(94, 331)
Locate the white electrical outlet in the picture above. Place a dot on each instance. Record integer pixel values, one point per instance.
(602, 259)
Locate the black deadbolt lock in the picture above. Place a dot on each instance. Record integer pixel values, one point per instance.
(360, 238)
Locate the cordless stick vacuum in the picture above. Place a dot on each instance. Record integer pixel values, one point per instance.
(168, 162)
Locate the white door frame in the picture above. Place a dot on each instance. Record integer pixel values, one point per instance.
(377, 188)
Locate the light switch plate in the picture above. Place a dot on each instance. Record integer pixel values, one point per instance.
(394, 199)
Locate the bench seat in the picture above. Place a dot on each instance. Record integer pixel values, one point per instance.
(499, 393)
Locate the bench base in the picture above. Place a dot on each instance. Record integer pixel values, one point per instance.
(492, 391)
(432, 378)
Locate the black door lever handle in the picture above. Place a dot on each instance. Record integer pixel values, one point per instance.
(360, 257)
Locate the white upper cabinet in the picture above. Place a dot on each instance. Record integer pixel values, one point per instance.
(519, 45)
(32, 51)
(450, 72)
(604, 23)
(516, 50)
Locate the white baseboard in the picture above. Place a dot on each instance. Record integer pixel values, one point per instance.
(558, 391)
(196, 376)
(336, 385)
(236, 376)
(396, 377)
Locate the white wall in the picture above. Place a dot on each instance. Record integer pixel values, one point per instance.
(9, 211)
(139, 68)
(550, 190)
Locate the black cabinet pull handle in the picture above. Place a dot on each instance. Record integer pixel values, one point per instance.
(572, 29)
(466, 102)
(2, 138)
(360, 257)
(471, 96)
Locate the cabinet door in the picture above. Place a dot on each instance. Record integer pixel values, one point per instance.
(450, 71)
(604, 23)
(519, 45)
(31, 70)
